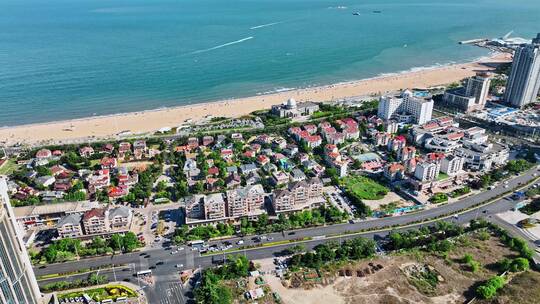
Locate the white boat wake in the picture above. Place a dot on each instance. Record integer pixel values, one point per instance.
(222, 45)
(264, 25)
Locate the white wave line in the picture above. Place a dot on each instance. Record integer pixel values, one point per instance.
(222, 45)
(264, 25)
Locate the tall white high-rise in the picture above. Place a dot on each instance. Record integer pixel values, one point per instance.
(18, 283)
(524, 81)
(406, 104)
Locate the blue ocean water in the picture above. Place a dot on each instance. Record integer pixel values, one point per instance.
(63, 59)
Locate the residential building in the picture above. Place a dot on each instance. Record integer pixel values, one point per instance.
(478, 86)
(456, 98)
(245, 201)
(18, 283)
(452, 165)
(86, 151)
(70, 226)
(297, 175)
(394, 171)
(298, 195)
(427, 170)
(279, 178)
(405, 108)
(95, 221)
(524, 81)
(44, 154)
(471, 97)
(190, 168)
(194, 206)
(120, 218)
(214, 207)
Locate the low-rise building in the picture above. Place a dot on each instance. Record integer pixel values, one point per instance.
(291, 109)
(452, 165)
(394, 171)
(95, 221)
(245, 201)
(298, 196)
(70, 226)
(120, 218)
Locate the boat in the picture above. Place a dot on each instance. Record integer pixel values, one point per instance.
(377, 12)
(356, 13)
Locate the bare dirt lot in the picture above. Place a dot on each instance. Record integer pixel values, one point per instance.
(414, 277)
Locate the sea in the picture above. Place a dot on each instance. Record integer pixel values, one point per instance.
(64, 59)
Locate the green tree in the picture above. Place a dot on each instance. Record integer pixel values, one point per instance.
(115, 242)
(130, 242)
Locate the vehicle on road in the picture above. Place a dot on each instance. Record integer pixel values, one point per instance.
(240, 242)
(179, 265)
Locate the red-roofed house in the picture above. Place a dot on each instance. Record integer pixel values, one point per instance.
(312, 129)
(394, 171)
(116, 192)
(86, 151)
(108, 149)
(314, 141)
(95, 221)
(262, 160)
(214, 171)
(43, 154)
(108, 162)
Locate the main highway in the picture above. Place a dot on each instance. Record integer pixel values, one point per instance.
(163, 262)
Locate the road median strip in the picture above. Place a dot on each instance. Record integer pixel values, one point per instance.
(387, 228)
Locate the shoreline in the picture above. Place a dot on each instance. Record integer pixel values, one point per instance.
(149, 121)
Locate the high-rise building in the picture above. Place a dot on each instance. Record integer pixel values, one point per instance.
(406, 108)
(471, 97)
(478, 86)
(524, 81)
(18, 284)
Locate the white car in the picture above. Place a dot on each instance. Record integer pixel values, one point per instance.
(240, 242)
(174, 252)
(179, 265)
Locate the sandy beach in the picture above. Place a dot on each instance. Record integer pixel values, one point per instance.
(102, 127)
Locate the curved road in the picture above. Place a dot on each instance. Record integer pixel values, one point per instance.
(167, 274)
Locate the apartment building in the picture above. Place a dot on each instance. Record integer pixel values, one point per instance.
(245, 201)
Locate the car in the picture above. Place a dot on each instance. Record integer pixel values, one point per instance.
(160, 263)
(240, 242)
(270, 238)
(179, 265)
(174, 252)
(292, 233)
(180, 248)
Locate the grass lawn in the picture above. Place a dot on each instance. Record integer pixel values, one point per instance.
(364, 188)
(8, 167)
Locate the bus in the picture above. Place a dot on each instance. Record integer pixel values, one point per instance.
(144, 272)
(197, 244)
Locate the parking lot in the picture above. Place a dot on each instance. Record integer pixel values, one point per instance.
(339, 200)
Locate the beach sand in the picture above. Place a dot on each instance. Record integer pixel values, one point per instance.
(107, 127)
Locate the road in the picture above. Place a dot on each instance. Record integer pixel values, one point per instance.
(167, 274)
